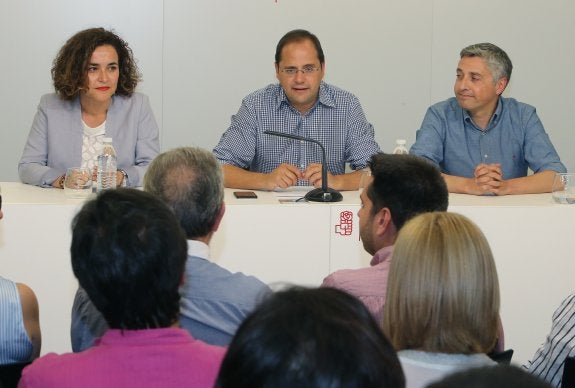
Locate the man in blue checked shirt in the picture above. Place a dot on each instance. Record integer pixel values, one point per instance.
(301, 104)
(485, 143)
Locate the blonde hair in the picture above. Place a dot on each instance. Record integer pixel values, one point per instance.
(442, 292)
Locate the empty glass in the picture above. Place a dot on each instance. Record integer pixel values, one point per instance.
(563, 189)
(78, 182)
(365, 179)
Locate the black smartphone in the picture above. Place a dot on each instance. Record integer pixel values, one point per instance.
(245, 194)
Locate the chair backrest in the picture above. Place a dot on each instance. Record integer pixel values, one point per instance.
(503, 357)
(568, 380)
(10, 374)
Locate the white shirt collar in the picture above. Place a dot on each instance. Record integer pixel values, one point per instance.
(198, 249)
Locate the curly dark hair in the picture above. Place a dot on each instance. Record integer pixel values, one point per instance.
(71, 64)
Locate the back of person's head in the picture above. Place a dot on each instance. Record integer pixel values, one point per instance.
(310, 338)
(407, 185)
(70, 66)
(507, 376)
(296, 36)
(128, 253)
(190, 181)
(442, 292)
(496, 59)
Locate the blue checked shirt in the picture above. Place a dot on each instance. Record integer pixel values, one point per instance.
(515, 137)
(336, 120)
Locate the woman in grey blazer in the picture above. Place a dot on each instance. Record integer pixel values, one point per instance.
(95, 77)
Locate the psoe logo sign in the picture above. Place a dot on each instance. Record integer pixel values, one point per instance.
(345, 226)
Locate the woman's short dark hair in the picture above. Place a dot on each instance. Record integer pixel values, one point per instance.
(129, 252)
(310, 338)
(70, 66)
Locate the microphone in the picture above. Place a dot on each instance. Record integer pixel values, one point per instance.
(323, 193)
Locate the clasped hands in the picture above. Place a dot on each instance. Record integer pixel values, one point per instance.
(286, 175)
(488, 179)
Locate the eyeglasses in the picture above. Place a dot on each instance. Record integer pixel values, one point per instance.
(291, 71)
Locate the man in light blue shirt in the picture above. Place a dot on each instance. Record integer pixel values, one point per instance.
(214, 301)
(485, 143)
(301, 104)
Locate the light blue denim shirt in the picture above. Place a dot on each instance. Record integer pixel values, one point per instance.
(514, 137)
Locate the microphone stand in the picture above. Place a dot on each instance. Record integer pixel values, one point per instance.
(323, 193)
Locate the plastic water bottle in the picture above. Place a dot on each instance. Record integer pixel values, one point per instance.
(400, 147)
(107, 167)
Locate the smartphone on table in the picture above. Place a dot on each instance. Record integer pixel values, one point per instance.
(245, 194)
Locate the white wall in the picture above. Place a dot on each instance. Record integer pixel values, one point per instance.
(199, 58)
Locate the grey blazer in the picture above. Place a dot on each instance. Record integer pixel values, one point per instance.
(55, 139)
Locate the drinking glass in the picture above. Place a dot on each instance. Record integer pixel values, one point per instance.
(563, 190)
(365, 179)
(78, 182)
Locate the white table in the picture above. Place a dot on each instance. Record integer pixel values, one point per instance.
(301, 243)
(297, 242)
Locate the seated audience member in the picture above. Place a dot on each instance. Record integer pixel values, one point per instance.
(214, 301)
(402, 186)
(95, 77)
(129, 253)
(301, 104)
(507, 376)
(319, 337)
(485, 143)
(442, 307)
(20, 336)
(548, 361)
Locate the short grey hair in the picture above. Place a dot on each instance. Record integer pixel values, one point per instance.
(190, 181)
(497, 60)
